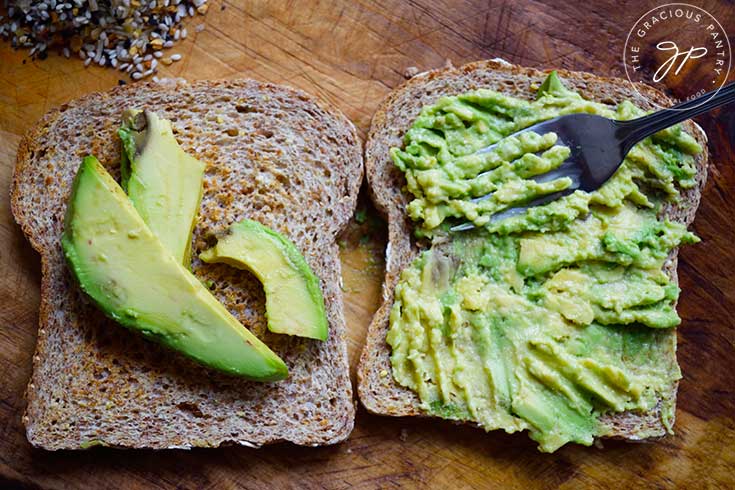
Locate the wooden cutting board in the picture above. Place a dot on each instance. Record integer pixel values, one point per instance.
(352, 54)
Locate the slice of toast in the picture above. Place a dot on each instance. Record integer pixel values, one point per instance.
(273, 154)
(377, 390)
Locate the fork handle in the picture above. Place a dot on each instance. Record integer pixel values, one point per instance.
(635, 130)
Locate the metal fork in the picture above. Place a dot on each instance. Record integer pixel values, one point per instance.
(598, 145)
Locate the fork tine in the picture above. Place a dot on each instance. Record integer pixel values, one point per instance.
(462, 227)
(536, 128)
(482, 198)
(567, 169)
(509, 212)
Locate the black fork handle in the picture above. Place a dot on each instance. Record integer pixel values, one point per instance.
(631, 132)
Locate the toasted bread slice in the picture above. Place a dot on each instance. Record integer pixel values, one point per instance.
(377, 390)
(273, 154)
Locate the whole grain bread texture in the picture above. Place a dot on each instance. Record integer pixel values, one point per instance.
(272, 154)
(377, 390)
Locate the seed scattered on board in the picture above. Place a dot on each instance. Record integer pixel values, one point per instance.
(127, 35)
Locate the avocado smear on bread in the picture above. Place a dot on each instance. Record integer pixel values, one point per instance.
(445, 175)
(546, 320)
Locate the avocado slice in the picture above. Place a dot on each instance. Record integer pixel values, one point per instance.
(134, 280)
(162, 180)
(293, 300)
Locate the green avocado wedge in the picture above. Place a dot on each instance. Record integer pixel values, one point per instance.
(134, 280)
(293, 301)
(162, 180)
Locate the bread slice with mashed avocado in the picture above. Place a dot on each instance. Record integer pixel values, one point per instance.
(272, 154)
(558, 321)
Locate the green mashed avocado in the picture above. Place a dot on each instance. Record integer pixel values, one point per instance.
(444, 172)
(549, 319)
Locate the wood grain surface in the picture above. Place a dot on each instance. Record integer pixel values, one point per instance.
(351, 54)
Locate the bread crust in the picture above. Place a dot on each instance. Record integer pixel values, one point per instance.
(377, 390)
(94, 382)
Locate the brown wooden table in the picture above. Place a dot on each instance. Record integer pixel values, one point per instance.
(352, 54)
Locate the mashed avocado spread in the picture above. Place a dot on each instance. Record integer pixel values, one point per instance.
(549, 319)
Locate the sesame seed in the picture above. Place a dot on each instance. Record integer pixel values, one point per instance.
(137, 75)
(105, 33)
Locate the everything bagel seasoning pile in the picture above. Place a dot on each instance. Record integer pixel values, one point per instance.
(129, 35)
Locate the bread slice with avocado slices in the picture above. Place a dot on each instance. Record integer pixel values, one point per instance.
(379, 392)
(272, 154)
